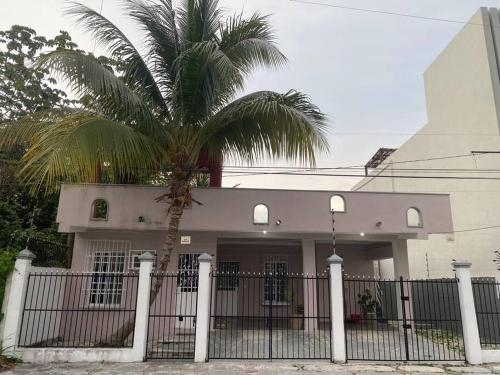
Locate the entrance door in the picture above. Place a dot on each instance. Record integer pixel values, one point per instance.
(187, 288)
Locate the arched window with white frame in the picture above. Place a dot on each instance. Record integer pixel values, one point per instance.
(337, 203)
(261, 214)
(414, 218)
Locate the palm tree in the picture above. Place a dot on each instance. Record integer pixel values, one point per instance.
(173, 110)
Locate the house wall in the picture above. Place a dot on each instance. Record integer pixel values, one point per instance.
(309, 213)
(462, 90)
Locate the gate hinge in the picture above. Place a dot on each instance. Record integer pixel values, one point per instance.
(405, 298)
(407, 326)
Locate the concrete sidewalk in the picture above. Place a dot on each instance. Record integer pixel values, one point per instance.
(248, 367)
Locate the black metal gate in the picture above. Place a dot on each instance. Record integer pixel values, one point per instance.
(172, 315)
(273, 315)
(403, 320)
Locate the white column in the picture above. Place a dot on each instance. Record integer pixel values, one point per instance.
(310, 294)
(337, 309)
(401, 268)
(468, 311)
(142, 309)
(203, 309)
(400, 256)
(15, 301)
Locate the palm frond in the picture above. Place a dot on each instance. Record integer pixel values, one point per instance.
(205, 79)
(21, 132)
(71, 148)
(198, 20)
(112, 97)
(137, 74)
(268, 124)
(250, 43)
(158, 21)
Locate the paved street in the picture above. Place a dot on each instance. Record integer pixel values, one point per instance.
(249, 367)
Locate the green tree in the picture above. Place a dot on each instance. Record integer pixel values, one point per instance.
(25, 89)
(174, 109)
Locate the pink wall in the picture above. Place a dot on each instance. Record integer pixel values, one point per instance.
(231, 210)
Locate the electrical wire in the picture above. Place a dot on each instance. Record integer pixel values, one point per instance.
(388, 13)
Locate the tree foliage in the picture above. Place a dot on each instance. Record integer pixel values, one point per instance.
(176, 105)
(25, 89)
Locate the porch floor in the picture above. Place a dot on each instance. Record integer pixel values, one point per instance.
(387, 344)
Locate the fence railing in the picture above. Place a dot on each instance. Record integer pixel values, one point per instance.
(487, 302)
(403, 320)
(270, 316)
(79, 310)
(172, 316)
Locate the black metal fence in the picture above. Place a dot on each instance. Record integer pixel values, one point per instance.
(487, 302)
(270, 316)
(172, 315)
(48, 253)
(79, 310)
(403, 320)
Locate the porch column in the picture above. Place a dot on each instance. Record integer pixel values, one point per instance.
(470, 329)
(310, 292)
(15, 301)
(203, 309)
(401, 268)
(337, 309)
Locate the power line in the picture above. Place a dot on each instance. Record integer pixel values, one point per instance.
(289, 173)
(245, 169)
(387, 163)
(388, 13)
(412, 134)
(471, 229)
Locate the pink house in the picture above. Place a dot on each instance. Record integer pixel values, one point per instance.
(265, 244)
(251, 227)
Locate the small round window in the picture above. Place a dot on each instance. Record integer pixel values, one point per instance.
(337, 203)
(413, 217)
(260, 214)
(100, 209)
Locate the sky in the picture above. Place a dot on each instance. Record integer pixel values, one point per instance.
(363, 69)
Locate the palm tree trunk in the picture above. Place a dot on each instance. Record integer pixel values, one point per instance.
(179, 196)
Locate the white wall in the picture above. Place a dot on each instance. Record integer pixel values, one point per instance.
(462, 90)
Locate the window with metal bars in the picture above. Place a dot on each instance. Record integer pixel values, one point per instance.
(228, 277)
(106, 284)
(187, 269)
(276, 282)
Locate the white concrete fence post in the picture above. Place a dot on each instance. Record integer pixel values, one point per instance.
(203, 309)
(337, 309)
(15, 302)
(468, 312)
(142, 309)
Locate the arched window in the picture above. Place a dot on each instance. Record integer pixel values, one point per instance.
(99, 209)
(337, 203)
(260, 214)
(414, 217)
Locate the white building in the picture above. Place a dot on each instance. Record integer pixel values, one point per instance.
(461, 138)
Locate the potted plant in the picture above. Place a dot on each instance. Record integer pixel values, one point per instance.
(368, 306)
